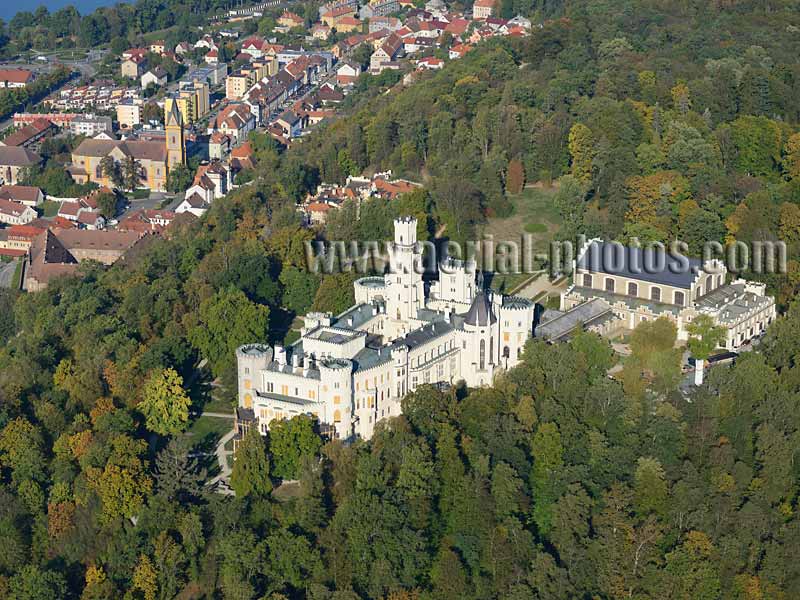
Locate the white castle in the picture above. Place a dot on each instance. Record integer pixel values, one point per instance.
(352, 370)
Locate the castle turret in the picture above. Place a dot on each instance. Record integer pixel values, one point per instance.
(337, 373)
(251, 359)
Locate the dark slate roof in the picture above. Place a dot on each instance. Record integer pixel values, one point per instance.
(480, 312)
(644, 264)
(423, 335)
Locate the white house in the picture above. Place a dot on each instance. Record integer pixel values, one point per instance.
(14, 213)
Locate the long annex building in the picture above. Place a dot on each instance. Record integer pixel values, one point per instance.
(352, 370)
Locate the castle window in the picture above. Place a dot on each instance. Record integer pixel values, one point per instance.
(482, 363)
(709, 283)
(337, 416)
(698, 291)
(247, 370)
(655, 294)
(506, 352)
(633, 289)
(587, 280)
(679, 299)
(609, 285)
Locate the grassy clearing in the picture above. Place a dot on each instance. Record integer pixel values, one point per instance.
(17, 281)
(206, 432)
(287, 491)
(534, 214)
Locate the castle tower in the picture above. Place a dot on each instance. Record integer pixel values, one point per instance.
(251, 359)
(479, 359)
(405, 290)
(176, 144)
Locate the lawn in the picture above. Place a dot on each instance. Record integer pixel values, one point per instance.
(535, 215)
(17, 281)
(50, 208)
(205, 432)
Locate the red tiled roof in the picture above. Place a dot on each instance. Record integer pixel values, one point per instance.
(16, 75)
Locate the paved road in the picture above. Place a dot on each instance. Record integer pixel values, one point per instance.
(7, 274)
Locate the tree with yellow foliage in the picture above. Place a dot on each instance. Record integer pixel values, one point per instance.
(581, 146)
(791, 157)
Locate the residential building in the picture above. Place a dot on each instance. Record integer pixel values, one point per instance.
(193, 100)
(290, 19)
(90, 125)
(16, 78)
(348, 23)
(147, 220)
(24, 194)
(158, 47)
(389, 24)
(30, 136)
(211, 74)
(237, 84)
(637, 285)
(133, 67)
(379, 8)
(320, 31)
(129, 113)
(347, 72)
(235, 120)
(389, 50)
(482, 9)
(156, 76)
(194, 204)
(352, 5)
(14, 213)
(14, 159)
(291, 123)
(352, 370)
(332, 18)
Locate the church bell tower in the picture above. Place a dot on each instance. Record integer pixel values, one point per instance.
(176, 144)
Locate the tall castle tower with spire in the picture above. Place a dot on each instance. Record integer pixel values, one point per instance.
(176, 143)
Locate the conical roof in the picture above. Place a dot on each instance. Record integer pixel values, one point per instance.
(480, 312)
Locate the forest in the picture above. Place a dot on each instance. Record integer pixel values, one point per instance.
(651, 119)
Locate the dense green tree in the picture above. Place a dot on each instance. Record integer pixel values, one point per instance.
(291, 441)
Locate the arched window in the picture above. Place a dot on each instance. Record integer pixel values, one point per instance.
(698, 291)
(506, 352)
(248, 401)
(482, 363)
(337, 416)
(655, 294)
(633, 289)
(679, 299)
(587, 280)
(709, 283)
(609, 285)
(491, 351)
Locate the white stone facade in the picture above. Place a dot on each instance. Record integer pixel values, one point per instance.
(352, 370)
(680, 289)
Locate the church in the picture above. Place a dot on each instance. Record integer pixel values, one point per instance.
(155, 156)
(352, 370)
